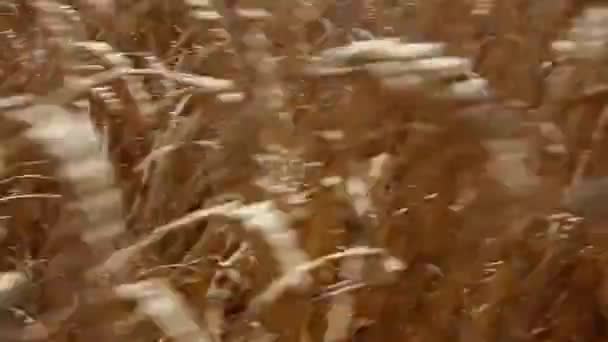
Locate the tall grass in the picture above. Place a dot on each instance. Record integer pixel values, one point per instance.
(303, 170)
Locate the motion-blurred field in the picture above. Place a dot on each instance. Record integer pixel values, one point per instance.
(303, 170)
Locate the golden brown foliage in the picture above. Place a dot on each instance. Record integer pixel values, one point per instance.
(303, 170)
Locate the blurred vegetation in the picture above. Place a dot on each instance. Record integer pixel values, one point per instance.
(303, 170)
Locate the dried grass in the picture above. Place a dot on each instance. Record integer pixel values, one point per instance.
(305, 170)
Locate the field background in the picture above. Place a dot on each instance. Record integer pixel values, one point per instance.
(303, 170)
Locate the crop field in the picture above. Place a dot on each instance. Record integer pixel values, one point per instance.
(303, 170)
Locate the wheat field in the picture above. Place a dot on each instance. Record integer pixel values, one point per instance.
(303, 170)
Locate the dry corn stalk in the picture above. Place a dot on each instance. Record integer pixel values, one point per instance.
(71, 138)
